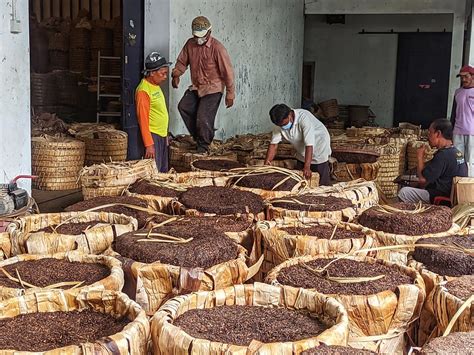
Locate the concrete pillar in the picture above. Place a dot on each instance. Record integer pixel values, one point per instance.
(157, 31)
(15, 142)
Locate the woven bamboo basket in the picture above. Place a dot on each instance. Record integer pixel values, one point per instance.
(210, 157)
(346, 214)
(330, 108)
(189, 157)
(409, 130)
(344, 171)
(104, 146)
(169, 339)
(80, 38)
(152, 284)
(117, 174)
(200, 178)
(95, 240)
(79, 60)
(178, 147)
(282, 163)
(377, 322)
(58, 59)
(91, 192)
(43, 89)
(363, 194)
(366, 132)
(412, 147)
(392, 164)
(5, 245)
(131, 340)
(113, 282)
(57, 162)
(278, 246)
(445, 307)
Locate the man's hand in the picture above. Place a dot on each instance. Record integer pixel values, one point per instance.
(420, 152)
(307, 173)
(175, 82)
(150, 152)
(229, 102)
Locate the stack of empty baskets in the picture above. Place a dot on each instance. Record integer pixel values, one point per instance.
(57, 162)
(79, 50)
(101, 40)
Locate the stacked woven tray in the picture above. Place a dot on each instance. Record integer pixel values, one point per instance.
(392, 161)
(57, 162)
(412, 147)
(104, 145)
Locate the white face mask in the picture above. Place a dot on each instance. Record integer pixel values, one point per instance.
(201, 41)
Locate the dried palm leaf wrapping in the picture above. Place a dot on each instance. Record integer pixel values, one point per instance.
(113, 282)
(277, 245)
(351, 170)
(363, 194)
(189, 157)
(287, 176)
(200, 178)
(377, 322)
(452, 313)
(131, 340)
(152, 284)
(117, 173)
(95, 240)
(310, 210)
(243, 212)
(157, 202)
(397, 254)
(169, 339)
(5, 246)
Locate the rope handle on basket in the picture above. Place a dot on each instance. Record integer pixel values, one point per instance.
(456, 316)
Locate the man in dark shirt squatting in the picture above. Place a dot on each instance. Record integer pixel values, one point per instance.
(435, 178)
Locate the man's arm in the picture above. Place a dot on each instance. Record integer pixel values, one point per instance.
(180, 67)
(143, 116)
(420, 166)
(225, 68)
(308, 157)
(453, 112)
(271, 152)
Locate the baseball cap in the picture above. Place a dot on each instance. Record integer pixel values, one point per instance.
(466, 69)
(155, 61)
(200, 26)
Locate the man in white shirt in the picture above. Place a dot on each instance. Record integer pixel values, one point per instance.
(309, 137)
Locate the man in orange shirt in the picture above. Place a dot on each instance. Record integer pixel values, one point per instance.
(211, 72)
(152, 112)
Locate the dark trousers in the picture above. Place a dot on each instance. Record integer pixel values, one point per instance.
(322, 169)
(161, 152)
(199, 115)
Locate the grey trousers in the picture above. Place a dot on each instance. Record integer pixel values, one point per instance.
(465, 144)
(413, 194)
(161, 152)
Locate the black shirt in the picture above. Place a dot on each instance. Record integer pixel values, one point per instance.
(439, 172)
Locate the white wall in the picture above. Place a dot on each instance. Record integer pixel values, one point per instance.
(15, 151)
(361, 69)
(265, 41)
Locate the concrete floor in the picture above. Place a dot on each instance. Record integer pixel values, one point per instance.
(56, 201)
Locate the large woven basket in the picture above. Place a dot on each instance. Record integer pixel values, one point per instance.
(43, 89)
(92, 192)
(344, 171)
(366, 132)
(330, 108)
(57, 162)
(104, 146)
(392, 164)
(132, 339)
(169, 339)
(117, 174)
(377, 322)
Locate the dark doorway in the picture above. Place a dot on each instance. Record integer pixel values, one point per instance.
(422, 83)
(133, 32)
(308, 81)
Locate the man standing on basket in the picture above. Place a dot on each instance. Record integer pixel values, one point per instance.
(309, 137)
(152, 112)
(435, 178)
(211, 72)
